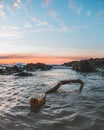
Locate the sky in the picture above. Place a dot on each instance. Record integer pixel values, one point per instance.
(51, 31)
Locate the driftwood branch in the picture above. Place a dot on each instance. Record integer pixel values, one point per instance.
(37, 102)
(63, 82)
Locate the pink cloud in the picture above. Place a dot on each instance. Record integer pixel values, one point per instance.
(1, 6)
(17, 3)
(47, 2)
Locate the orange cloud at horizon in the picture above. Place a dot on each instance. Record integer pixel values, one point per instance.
(16, 58)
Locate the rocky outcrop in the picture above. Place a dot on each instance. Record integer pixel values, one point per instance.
(24, 74)
(88, 65)
(2, 71)
(83, 66)
(7, 70)
(14, 69)
(41, 66)
(10, 70)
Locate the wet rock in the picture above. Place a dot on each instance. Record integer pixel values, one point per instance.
(7, 70)
(17, 68)
(83, 66)
(24, 74)
(88, 65)
(69, 64)
(11, 70)
(4, 71)
(41, 66)
(1, 72)
(14, 69)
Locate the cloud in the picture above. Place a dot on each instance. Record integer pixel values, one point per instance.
(14, 56)
(17, 4)
(2, 13)
(28, 1)
(11, 11)
(61, 26)
(45, 25)
(9, 31)
(36, 55)
(58, 22)
(1, 6)
(46, 2)
(52, 13)
(88, 13)
(79, 11)
(8, 34)
(40, 22)
(73, 6)
(8, 28)
(27, 25)
(14, 6)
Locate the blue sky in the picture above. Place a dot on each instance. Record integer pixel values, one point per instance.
(52, 27)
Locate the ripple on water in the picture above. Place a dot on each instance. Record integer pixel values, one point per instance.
(65, 110)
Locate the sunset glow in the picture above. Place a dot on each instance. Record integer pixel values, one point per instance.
(9, 59)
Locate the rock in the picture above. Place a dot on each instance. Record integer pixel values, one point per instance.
(24, 74)
(13, 69)
(1, 72)
(17, 69)
(41, 66)
(83, 66)
(7, 70)
(69, 64)
(88, 65)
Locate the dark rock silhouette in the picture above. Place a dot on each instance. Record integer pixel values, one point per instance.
(2, 71)
(7, 70)
(88, 65)
(14, 69)
(83, 66)
(41, 66)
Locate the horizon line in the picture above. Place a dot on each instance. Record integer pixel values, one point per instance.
(34, 58)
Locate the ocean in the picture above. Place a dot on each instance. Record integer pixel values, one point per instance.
(64, 110)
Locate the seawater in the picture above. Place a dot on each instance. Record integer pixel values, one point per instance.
(65, 110)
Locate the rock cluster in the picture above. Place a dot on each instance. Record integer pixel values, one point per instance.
(10, 70)
(41, 66)
(20, 69)
(88, 65)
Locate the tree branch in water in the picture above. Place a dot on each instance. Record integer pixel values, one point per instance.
(63, 82)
